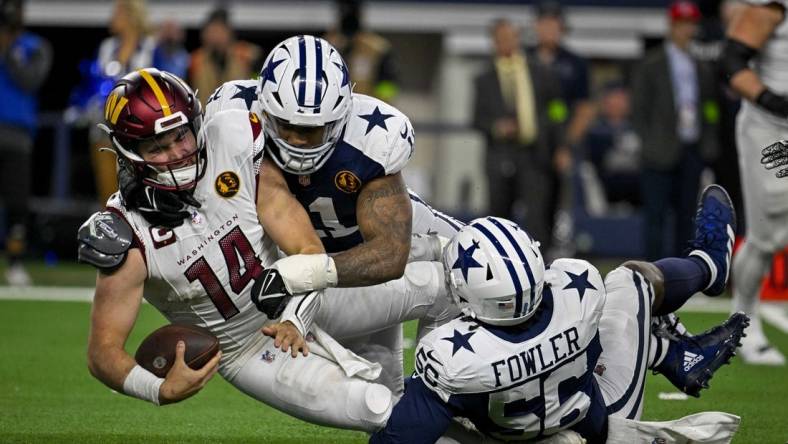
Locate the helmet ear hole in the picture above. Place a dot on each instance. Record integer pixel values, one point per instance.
(496, 271)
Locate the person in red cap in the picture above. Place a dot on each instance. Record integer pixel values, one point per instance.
(685, 11)
(673, 113)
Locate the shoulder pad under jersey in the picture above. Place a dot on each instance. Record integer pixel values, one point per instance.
(104, 240)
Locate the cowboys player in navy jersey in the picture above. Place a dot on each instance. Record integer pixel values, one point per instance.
(546, 349)
(340, 155)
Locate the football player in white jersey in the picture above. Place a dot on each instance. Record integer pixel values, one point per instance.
(184, 234)
(340, 155)
(755, 60)
(544, 349)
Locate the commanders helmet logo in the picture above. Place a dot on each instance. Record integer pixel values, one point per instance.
(227, 184)
(347, 182)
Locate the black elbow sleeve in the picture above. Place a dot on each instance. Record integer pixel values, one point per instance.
(735, 57)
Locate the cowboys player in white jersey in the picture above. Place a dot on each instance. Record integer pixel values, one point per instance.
(340, 155)
(544, 349)
(183, 232)
(755, 61)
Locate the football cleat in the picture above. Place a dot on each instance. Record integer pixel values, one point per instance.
(715, 228)
(691, 361)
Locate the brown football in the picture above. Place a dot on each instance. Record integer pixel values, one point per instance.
(157, 352)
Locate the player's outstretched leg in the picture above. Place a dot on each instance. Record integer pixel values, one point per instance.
(690, 361)
(707, 266)
(715, 228)
(749, 266)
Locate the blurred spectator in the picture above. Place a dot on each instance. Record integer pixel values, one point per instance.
(575, 109)
(25, 59)
(675, 115)
(128, 48)
(368, 55)
(572, 71)
(613, 146)
(221, 57)
(511, 106)
(170, 55)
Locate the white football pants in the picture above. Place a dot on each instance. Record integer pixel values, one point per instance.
(765, 209)
(625, 334)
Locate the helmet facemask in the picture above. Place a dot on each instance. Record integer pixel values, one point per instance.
(181, 174)
(306, 99)
(304, 158)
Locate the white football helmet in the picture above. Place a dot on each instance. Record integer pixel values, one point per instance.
(495, 271)
(304, 89)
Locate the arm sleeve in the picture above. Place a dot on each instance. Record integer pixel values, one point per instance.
(301, 311)
(420, 416)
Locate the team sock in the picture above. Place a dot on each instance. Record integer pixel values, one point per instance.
(683, 278)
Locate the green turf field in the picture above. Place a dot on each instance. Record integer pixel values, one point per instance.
(47, 394)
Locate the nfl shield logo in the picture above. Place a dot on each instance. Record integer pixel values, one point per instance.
(268, 357)
(304, 180)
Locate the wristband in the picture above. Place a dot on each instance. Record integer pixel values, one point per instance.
(142, 384)
(773, 103)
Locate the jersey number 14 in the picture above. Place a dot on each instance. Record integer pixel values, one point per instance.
(233, 245)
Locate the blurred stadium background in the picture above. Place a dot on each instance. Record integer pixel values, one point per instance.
(438, 48)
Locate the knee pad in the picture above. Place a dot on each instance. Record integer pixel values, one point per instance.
(370, 404)
(422, 274)
(427, 278)
(622, 289)
(647, 269)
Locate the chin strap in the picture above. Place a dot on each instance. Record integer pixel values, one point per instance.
(159, 207)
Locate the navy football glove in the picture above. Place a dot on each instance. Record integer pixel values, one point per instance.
(269, 293)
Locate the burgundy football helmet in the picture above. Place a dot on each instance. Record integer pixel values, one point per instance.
(147, 105)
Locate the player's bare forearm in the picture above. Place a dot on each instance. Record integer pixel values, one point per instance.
(747, 84)
(115, 306)
(282, 216)
(110, 365)
(384, 217)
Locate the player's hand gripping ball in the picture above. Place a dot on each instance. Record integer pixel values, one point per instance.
(157, 352)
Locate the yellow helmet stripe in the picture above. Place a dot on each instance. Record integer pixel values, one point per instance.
(165, 107)
(110, 105)
(118, 108)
